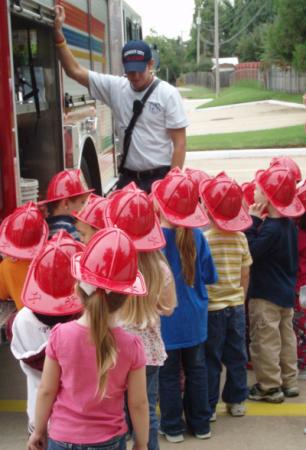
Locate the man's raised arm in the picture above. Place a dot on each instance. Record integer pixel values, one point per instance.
(70, 65)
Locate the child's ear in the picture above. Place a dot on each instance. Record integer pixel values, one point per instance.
(66, 204)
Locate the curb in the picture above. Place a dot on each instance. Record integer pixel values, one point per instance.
(245, 153)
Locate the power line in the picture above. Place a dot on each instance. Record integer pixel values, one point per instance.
(239, 32)
(229, 21)
(237, 15)
(245, 27)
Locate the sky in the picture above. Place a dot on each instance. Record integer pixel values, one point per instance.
(171, 18)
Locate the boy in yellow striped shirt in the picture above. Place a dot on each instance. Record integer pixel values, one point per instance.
(225, 345)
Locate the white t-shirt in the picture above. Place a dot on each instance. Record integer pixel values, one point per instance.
(151, 145)
(30, 337)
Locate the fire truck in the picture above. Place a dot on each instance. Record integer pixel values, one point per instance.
(48, 121)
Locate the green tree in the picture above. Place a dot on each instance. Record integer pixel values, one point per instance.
(240, 27)
(286, 37)
(172, 54)
(250, 47)
(299, 57)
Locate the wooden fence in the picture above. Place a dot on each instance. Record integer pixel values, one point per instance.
(274, 78)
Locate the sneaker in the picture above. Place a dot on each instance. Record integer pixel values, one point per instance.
(213, 417)
(273, 395)
(236, 409)
(173, 439)
(203, 436)
(291, 391)
(302, 374)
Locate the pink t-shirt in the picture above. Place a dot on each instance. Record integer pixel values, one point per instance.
(79, 415)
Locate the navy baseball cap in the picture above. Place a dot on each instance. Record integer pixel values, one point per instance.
(135, 56)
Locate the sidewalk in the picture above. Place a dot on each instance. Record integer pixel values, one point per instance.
(242, 164)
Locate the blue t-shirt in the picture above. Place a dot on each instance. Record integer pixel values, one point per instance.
(187, 326)
(273, 246)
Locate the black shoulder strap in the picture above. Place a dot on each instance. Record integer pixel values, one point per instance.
(137, 110)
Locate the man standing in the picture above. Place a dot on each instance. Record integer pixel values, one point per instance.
(159, 136)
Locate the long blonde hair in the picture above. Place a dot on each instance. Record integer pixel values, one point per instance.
(142, 311)
(186, 246)
(99, 306)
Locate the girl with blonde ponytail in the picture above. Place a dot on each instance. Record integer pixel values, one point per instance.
(91, 362)
(185, 332)
(133, 211)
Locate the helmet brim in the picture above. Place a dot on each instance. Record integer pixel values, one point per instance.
(138, 287)
(42, 303)
(9, 249)
(295, 209)
(241, 222)
(62, 197)
(79, 215)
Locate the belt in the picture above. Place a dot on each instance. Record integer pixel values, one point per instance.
(146, 174)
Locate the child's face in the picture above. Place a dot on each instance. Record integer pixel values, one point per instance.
(259, 196)
(76, 203)
(86, 231)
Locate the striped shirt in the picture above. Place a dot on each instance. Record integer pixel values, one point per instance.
(230, 252)
(61, 222)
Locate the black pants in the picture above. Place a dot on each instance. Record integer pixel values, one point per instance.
(143, 180)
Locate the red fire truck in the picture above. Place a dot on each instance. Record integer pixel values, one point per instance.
(48, 121)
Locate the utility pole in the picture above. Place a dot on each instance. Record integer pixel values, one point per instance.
(217, 48)
(198, 23)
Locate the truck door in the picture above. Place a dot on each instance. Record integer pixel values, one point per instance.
(37, 92)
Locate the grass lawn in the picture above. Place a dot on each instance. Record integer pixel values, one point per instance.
(242, 92)
(294, 136)
(197, 92)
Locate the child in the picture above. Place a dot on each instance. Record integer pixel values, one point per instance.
(225, 345)
(248, 189)
(91, 362)
(185, 332)
(22, 235)
(133, 212)
(90, 218)
(273, 247)
(49, 298)
(67, 193)
(299, 320)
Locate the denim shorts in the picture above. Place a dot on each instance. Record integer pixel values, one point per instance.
(117, 443)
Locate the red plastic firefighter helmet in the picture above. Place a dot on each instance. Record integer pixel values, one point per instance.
(92, 212)
(66, 184)
(222, 197)
(288, 163)
(49, 285)
(279, 186)
(301, 192)
(196, 175)
(24, 232)
(110, 262)
(132, 211)
(248, 190)
(178, 198)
